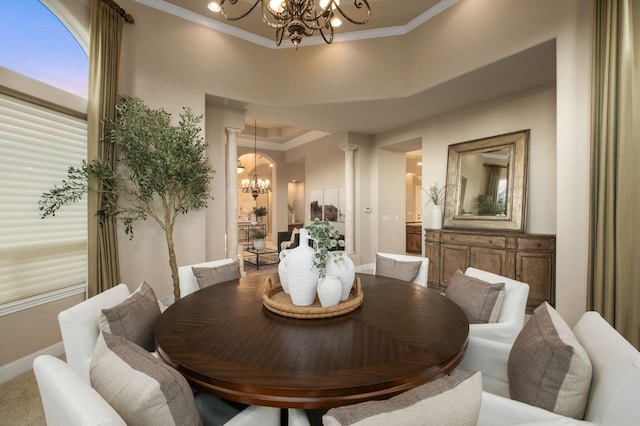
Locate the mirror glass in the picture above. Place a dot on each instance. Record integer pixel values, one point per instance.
(486, 183)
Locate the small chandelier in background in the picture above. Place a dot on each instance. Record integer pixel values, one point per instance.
(298, 18)
(256, 186)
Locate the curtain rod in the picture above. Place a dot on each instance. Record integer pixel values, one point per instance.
(115, 6)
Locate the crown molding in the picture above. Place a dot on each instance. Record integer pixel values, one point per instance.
(309, 41)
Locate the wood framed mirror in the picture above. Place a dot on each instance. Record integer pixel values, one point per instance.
(487, 183)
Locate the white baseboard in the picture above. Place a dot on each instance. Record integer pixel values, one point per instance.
(22, 365)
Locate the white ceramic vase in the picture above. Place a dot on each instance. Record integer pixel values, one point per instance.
(343, 267)
(282, 271)
(329, 291)
(259, 244)
(436, 217)
(302, 277)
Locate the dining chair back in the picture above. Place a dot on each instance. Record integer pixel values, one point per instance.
(79, 327)
(421, 278)
(512, 313)
(188, 281)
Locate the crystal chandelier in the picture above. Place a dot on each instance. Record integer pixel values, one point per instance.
(297, 18)
(256, 186)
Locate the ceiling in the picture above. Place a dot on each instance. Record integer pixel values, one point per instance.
(284, 127)
(385, 14)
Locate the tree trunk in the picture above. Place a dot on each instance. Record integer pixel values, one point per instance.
(173, 263)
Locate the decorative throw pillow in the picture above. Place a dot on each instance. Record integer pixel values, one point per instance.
(451, 401)
(548, 367)
(141, 388)
(398, 269)
(134, 318)
(481, 301)
(207, 276)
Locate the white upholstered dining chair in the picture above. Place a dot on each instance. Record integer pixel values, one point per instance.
(188, 281)
(421, 278)
(514, 304)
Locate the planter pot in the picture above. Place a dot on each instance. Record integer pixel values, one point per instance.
(259, 244)
(329, 291)
(302, 277)
(341, 265)
(282, 271)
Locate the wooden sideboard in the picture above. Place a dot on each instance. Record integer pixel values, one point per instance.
(414, 238)
(529, 258)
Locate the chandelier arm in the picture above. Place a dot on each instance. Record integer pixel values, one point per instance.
(358, 4)
(233, 2)
(328, 39)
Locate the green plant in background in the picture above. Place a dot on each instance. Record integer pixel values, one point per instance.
(487, 206)
(326, 238)
(162, 172)
(258, 234)
(260, 211)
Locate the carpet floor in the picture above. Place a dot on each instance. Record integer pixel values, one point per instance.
(20, 402)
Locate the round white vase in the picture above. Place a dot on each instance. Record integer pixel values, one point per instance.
(329, 290)
(259, 244)
(343, 267)
(436, 217)
(302, 277)
(282, 271)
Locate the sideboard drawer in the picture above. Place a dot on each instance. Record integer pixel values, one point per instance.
(542, 243)
(496, 241)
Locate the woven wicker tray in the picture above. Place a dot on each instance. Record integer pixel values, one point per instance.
(277, 301)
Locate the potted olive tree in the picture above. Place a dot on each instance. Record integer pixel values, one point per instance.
(162, 172)
(259, 236)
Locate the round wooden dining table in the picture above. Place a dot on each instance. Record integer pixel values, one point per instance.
(225, 342)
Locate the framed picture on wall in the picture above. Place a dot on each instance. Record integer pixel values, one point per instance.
(315, 204)
(330, 204)
(341, 204)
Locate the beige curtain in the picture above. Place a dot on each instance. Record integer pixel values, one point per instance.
(614, 271)
(107, 21)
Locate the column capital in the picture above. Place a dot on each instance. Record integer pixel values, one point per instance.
(232, 130)
(349, 148)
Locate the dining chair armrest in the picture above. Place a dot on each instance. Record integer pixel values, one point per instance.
(256, 415)
(498, 411)
(488, 356)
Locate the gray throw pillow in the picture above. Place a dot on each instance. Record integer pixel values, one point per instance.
(547, 366)
(481, 301)
(450, 401)
(398, 269)
(207, 276)
(140, 387)
(134, 318)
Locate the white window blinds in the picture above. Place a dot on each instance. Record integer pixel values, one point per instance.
(37, 145)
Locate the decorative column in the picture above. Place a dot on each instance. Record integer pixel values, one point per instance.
(232, 192)
(349, 190)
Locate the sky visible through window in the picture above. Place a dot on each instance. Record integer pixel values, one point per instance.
(33, 42)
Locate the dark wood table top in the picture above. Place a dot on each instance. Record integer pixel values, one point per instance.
(225, 342)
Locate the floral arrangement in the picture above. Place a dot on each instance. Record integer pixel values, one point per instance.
(292, 206)
(326, 238)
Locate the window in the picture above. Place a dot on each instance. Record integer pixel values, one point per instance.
(36, 147)
(40, 260)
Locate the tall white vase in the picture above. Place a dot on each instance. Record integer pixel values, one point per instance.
(436, 217)
(344, 268)
(302, 277)
(282, 271)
